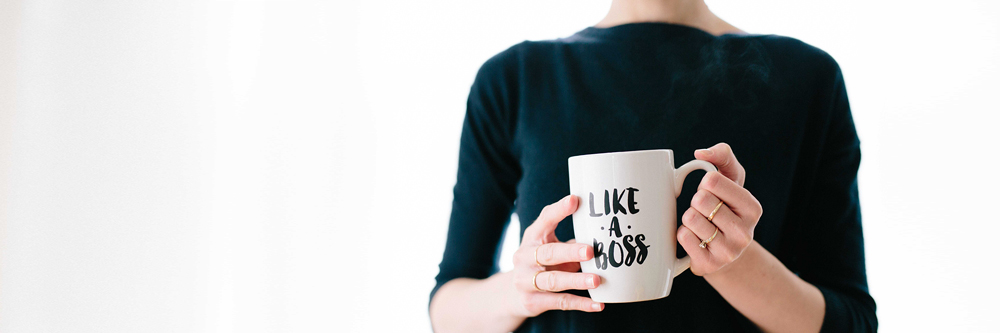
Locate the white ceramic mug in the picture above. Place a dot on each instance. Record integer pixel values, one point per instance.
(628, 212)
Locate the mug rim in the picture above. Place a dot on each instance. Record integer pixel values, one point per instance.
(669, 152)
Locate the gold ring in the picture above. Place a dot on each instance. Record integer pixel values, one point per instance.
(536, 258)
(535, 284)
(716, 210)
(704, 243)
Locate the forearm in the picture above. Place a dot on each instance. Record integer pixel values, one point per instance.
(471, 305)
(765, 291)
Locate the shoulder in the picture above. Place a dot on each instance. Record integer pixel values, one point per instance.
(495, 92)
(508, 69)
(504, 71)
(788, 67)
(813, 75)
(798, 58)
(500, 63)
(498, 76)
(520, 57)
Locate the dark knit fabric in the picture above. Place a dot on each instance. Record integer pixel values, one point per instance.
(780, 103)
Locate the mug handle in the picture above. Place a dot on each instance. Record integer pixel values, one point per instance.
(683, 264)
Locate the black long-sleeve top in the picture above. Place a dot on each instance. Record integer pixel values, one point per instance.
(780, 103)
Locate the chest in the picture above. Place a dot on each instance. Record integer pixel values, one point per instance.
(555, 127)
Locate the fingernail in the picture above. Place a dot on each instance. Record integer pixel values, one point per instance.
(583, 253)
(596, 306)
(706, 152)
(592, 282)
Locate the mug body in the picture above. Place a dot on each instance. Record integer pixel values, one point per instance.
(628, 213)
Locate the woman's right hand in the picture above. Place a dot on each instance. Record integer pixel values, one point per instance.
(557, 266)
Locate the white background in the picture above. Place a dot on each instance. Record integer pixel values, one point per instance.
(287, 166)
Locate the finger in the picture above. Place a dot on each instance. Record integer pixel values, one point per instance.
(704, 229)
(739, 200)
(550, 217)
(722, 156)
(697, 223)
(573, 266)
(699, 256)
(705, 202)
(566, 302)
(727, 221)
(558, 253)
(554, 281)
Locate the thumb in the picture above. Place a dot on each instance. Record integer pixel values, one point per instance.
(722, 156)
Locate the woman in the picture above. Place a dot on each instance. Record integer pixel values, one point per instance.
(661, 74)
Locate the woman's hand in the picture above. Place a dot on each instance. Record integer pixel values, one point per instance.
(735, 218)
(556, 269)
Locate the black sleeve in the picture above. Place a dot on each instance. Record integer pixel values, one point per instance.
(488, 172)
(832, 255)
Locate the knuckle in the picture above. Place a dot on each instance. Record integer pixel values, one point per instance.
(688, 215)
(700, 198)
(688, 225)
(684, 235)
(580, 304)
(546, 254)
(550, 281)
(711, 179)
(726, 150)
(717, 177)
(564, 302)
(545, 212)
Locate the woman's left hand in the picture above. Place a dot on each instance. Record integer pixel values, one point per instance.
(735, 218)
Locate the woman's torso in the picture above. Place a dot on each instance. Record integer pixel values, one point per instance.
(665, 86)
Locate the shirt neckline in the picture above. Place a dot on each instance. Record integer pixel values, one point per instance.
(646, 30)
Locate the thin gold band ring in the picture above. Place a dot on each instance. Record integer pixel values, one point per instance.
(704, 243)
(716, 210)
(535, 283)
